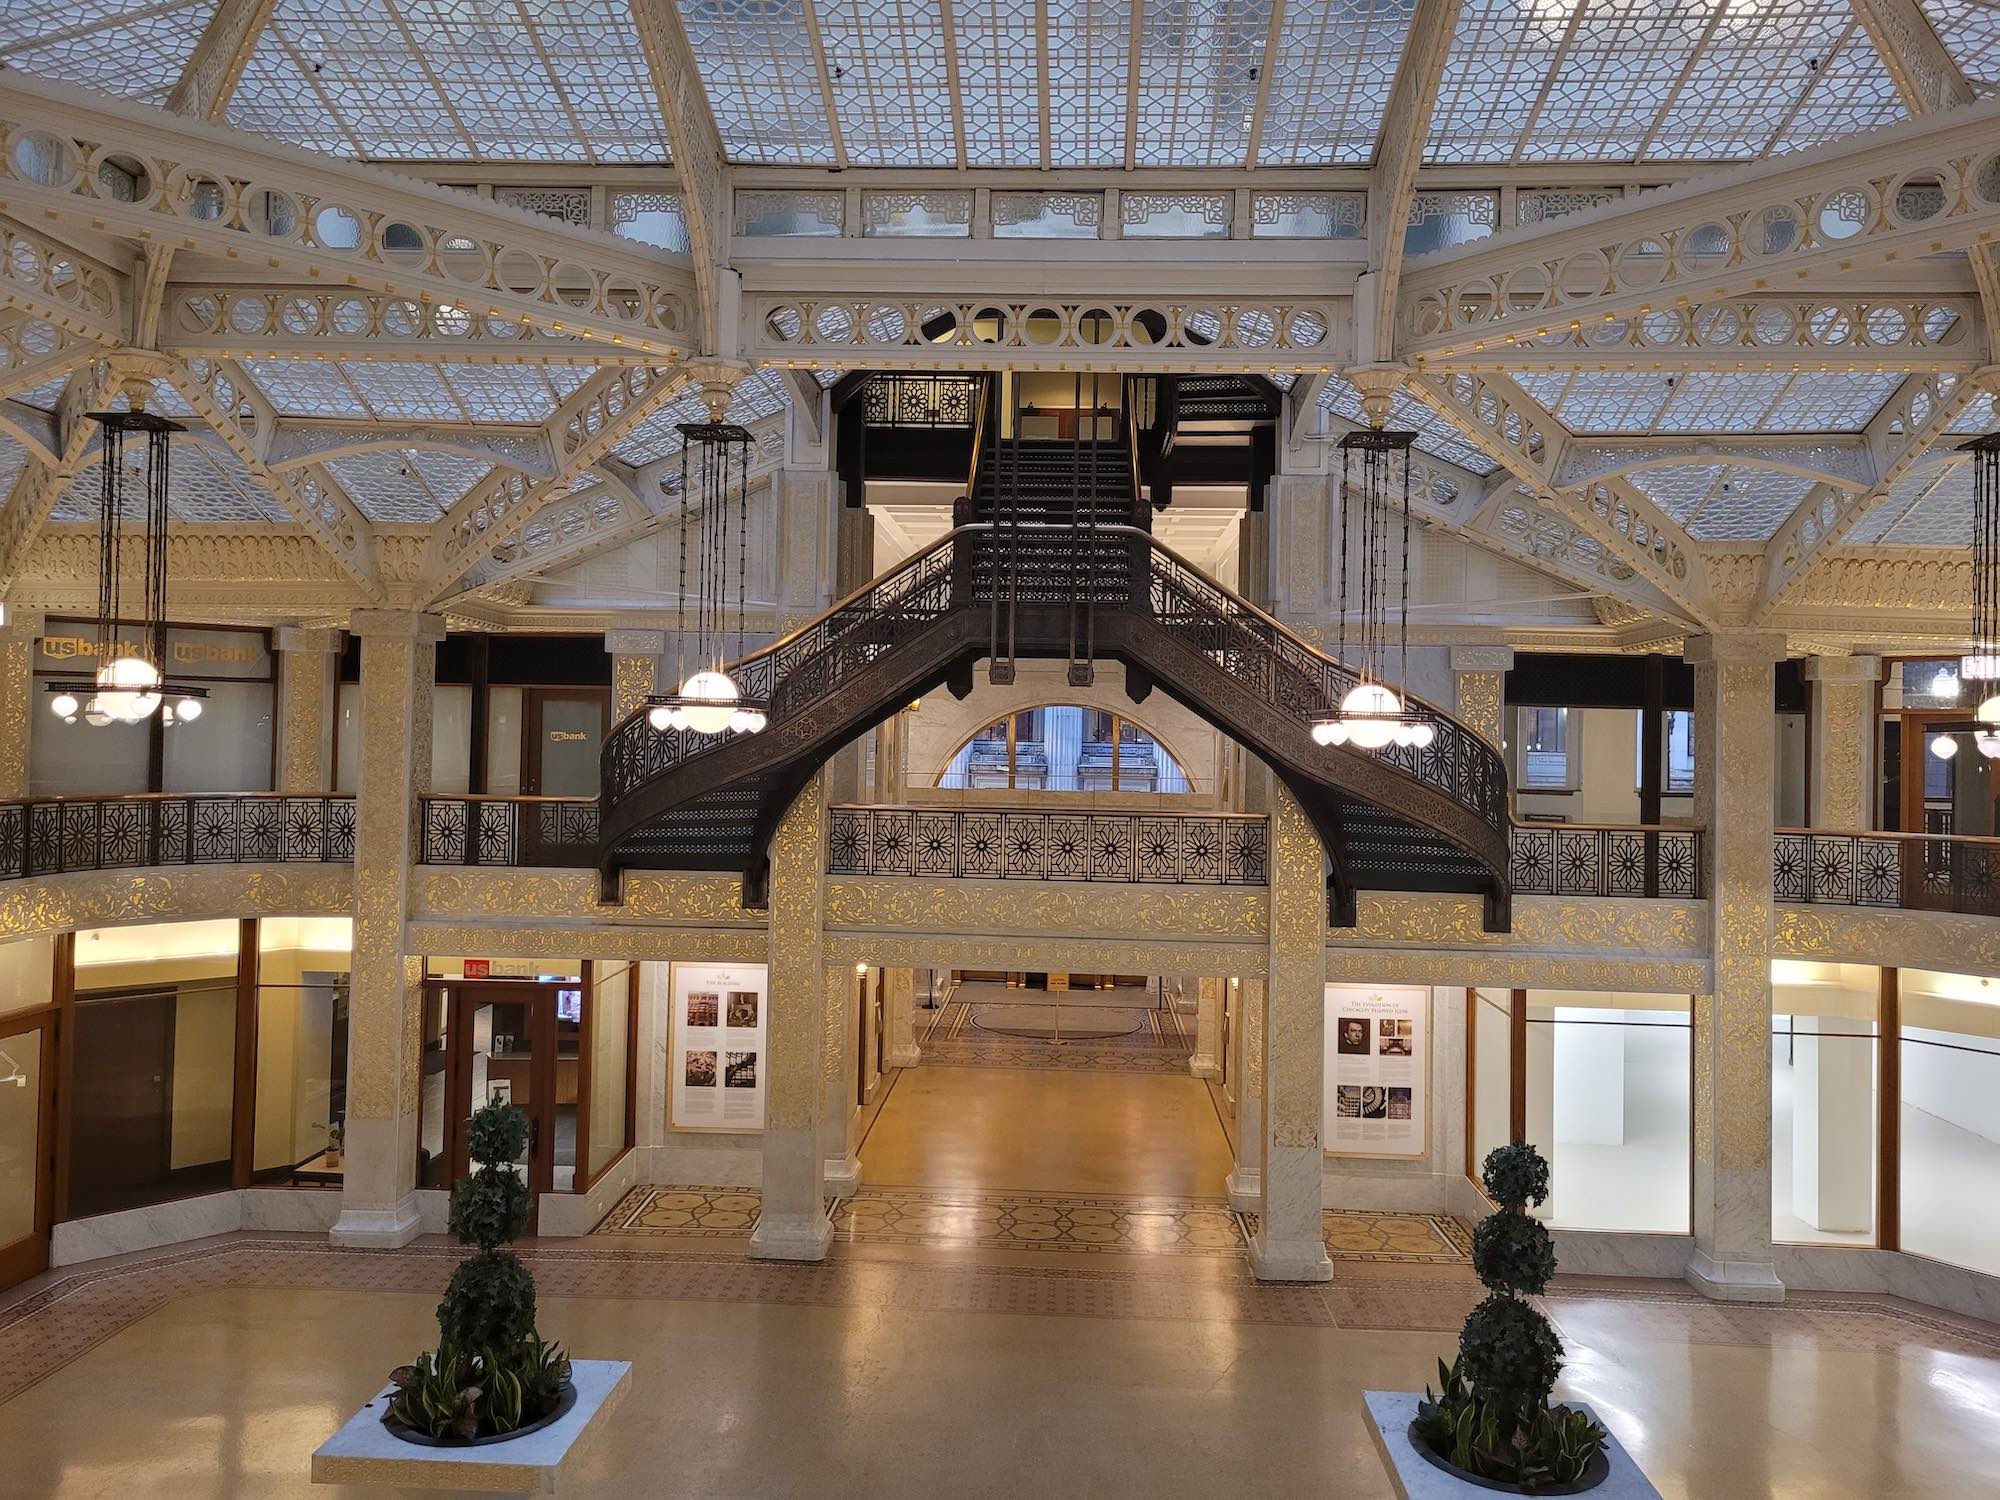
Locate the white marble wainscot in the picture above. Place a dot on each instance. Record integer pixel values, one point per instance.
(294, 1210)
(1595, 1252)
(708, 1158)
(1917, 1278)
(366, 1452)
(566, 1215)
(1415, 1478)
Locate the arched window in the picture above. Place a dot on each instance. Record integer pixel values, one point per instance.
(1065, 747)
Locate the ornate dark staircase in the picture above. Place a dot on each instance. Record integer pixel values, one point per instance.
(1050, 556)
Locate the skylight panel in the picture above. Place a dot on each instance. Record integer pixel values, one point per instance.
(756, 61)
(1758, 66)
(135, 50)
(361, 59)
(1941, 517)
(999, 72)
(405, 392)
(610, 91)
(1613, 401)
(277, 97)
(1501, 52)
(1435, 435)
(388, 488)
(1721, 401)
(1970, 31)
(1977, 417)
(1546, 386)
(13, 463)
(1089, 47)
(43, 397)
(1615, 76)
(1333, 65)
(1197, 89)
(305, 388)
(209, 485)
(501, 393)
(1749, 505)
(446, 475)
(1853, 92)
(1831, 401)
(891, 81)
(1680, 488)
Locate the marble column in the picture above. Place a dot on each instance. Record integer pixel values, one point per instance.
(793, 1224)
(1290, 1243)
(385, 1039)
(1479, 676)
(1248, 1171)
(306, 675)
(636, 657)
(17, 699)
(1206, 1059)
(840, 1061)
(1842, 740)
(900, 998)
(1734, 679)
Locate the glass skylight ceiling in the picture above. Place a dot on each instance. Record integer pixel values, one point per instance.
(1722, 502)
(1737, 402)
(119, 46)
(493, 80)
(1970, 30)
(404, 392)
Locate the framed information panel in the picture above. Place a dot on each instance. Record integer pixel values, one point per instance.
(716, 1066)
(1377, 1070)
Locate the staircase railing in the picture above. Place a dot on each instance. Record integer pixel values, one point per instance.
(1300, 682)
(799, 669)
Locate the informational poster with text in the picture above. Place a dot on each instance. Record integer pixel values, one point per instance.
(1377, 1070)
(716, 1067)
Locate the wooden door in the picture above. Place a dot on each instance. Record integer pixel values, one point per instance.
(563, 733)
(503, 1040)
(121, 1102)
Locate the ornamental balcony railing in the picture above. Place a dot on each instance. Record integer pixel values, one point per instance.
(560, 831)
(1019, 844)
(64, 835)
(1586, 859)
(1912, 871)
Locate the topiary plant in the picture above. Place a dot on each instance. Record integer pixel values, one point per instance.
(492, 1372)
(1491, 1416)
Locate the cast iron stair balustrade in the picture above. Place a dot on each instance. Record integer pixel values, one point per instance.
(1036, 547)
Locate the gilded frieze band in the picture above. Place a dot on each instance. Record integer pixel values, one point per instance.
(111, 898)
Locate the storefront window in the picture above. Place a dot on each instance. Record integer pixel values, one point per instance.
(1950, 1118)
(1492, 1072)
(155, 1074)
(1823, 1109)
(1545, 758)
(302, 1019)
(227, 749)
(607, 1031)
(1610, 1103)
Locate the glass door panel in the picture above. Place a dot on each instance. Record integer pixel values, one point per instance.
(24, 1152)
(564, 736)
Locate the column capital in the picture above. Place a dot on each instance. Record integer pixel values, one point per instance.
(408, 624)
(1482, 658)
(1736, 648)
(635, 642)
(1843, 669)
(22, 622)
(305, 641)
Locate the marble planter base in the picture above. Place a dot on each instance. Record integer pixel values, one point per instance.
(1413, 1477)
(366, 1452)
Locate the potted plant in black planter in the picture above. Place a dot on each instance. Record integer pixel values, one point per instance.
(492, 1377)
(1490, 1422)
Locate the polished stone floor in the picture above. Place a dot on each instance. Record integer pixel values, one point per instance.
(215, 1371)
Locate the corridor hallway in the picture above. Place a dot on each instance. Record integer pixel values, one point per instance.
(995, 1105)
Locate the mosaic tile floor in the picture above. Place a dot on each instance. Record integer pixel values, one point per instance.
(1076, 1224)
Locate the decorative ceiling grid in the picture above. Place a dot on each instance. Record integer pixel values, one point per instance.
(43, 397)
(1435, 435)
(760, 395)
(493, 80)
(885, 62)
(410, 485)
(1333, 65)
(1970, 30)
(1940, 515)
(209, 487)
(118, 46)
(757, 66)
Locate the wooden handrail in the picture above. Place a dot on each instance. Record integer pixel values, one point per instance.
(1888, 833)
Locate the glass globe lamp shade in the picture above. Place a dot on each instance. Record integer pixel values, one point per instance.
(63, 706)
(1943, 746)
(1988, 711)
(712, 698)
(1323, 730)
(747, 720)
(188, 710)
(1423, 735)
(660, 717)
(131, 673)
(1988, 744)
(1371, 712)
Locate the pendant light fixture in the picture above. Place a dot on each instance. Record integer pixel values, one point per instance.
(1981, 664)
(1374, 503)
(714, 524)
(129, 684)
